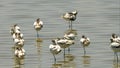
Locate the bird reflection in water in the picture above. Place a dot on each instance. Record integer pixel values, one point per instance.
(116, 64)
(39, 40)
(86, 61)
(69, 63)
(38, 45)
(70, 58)
(56, 66)
(19, 62)
(71, 31)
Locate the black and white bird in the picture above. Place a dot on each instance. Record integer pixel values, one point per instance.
(115, 45)
(15, 29)
(115, 38)
(64, 43)
(54, 49)
(38, 25)
(19, 52)
(17, 35)
(70, 16)
(70, 36)
(85, 41)
(19, 42)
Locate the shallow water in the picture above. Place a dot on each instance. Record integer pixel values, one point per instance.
(97, 19)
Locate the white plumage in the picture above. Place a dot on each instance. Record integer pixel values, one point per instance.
(64, 43)
(70, 36)
(15, 29)
(17, 35)
(70, 16)
(38, 24)
(115, 46)
(115, 38)
(115, 43)
(19, 52)
(19, 42)
(85, 41)
(54, 49)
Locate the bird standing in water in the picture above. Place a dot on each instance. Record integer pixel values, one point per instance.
(15, 29)
(38, 25)
(64, 43)
(19, 52)
(85, 41)
(54, 49)
(70, 16)
(115, 45)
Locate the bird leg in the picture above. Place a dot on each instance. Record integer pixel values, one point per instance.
(64, 54)
(116, 58)
(68, 49)
(37, 34)
(70, 25)
(84, 50)
(54, 59)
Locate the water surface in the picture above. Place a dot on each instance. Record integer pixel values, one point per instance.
(97, 19)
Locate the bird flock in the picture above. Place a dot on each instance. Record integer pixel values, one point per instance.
(18, 41)
(18, 38)
(59, 44)
(68, 39)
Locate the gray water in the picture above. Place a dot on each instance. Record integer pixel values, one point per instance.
(97, 19)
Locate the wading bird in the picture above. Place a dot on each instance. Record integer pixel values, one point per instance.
(116, 48)
(19, 42)
(115, 38)
(64, 43)
(19, 52)
(54, 49)
(70, 36)
(70, 16)
(15, 29)
(17, 35)
(85, 41)
(115, 45)
(38, 25)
